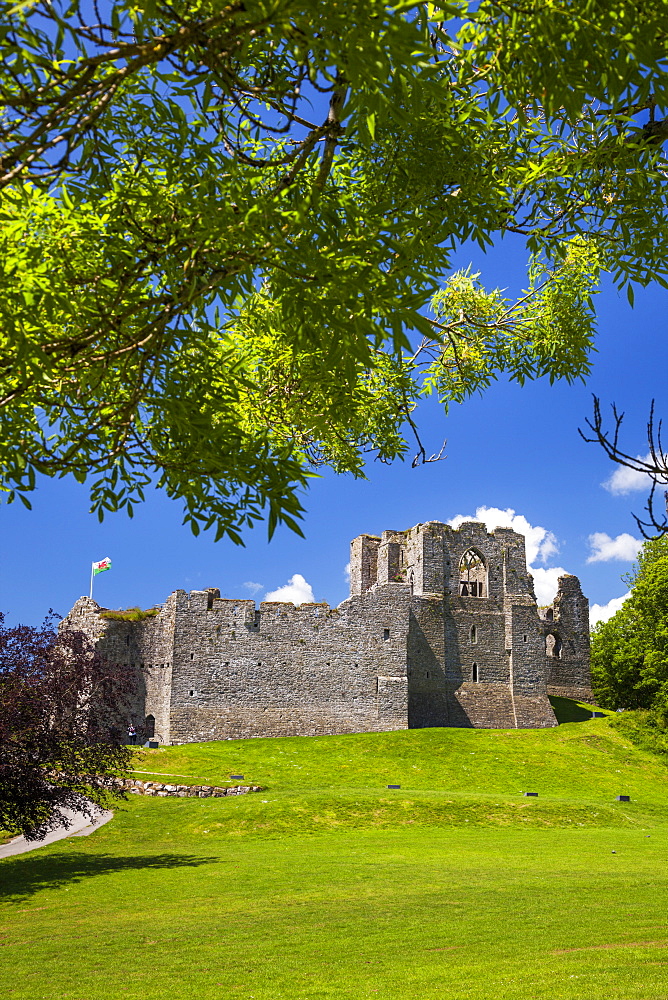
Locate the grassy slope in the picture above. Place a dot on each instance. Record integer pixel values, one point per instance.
(572, 761)
(327, 885)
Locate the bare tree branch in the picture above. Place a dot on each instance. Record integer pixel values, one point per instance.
(655, 466)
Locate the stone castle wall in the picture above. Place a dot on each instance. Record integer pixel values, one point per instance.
(215, 669)
(287, 671)
(420, 642)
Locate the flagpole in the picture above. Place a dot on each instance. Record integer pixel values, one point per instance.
(91, 581)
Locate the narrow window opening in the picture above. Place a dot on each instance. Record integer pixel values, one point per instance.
(191, 693)
(192, 656)
(525, 638)
(474, 634)
(474, 673)
(427, 675)
(386, 634)
(127, 640)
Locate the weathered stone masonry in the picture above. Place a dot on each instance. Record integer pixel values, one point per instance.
(163, 790)
(441, 629)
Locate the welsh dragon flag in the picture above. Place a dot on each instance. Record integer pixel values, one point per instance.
(99, 567)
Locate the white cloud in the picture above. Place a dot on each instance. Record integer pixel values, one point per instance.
(602, 612)
(540, 543)
(253, 587)
(296, 590)
(545, 582)
(623, 480)
(346, 573)
(604, 548)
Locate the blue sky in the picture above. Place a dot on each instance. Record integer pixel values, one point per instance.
(513, 448)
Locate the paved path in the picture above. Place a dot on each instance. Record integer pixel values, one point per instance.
(80, 826)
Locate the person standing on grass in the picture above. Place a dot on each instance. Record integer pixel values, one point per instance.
(132, 734)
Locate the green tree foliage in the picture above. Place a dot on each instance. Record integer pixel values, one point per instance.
(222, 226)
(630, 651)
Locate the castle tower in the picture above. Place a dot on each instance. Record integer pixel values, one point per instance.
(477, 653)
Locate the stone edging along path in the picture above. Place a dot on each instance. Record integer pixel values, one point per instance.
(184, 791)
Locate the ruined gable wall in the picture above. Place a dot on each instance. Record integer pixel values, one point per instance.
(527, 666)
(568, 676)
(282, 670)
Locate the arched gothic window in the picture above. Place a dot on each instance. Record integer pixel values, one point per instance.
(472, 575)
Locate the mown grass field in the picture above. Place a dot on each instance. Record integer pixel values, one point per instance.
(328, 885)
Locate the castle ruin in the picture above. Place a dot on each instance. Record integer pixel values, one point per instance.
(441, 629)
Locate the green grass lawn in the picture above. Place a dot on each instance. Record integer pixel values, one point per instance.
(328, 885)
(572, 760)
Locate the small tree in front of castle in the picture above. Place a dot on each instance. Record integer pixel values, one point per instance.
(62, 710)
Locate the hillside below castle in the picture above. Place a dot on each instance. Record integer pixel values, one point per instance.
(441, 629)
